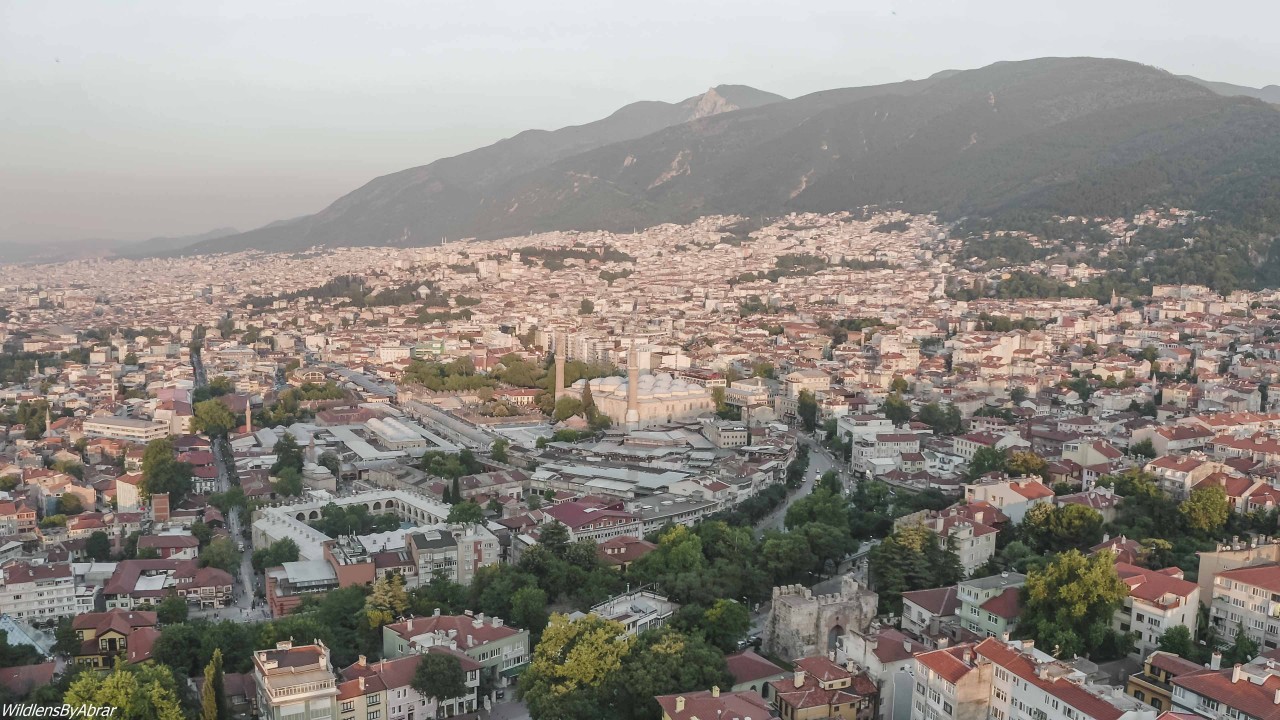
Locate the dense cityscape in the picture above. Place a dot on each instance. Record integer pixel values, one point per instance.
(866, 464)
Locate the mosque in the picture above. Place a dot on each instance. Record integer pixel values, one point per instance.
(640, 401)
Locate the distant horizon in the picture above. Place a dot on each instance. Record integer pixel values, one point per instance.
(197, 232)
(157, 120)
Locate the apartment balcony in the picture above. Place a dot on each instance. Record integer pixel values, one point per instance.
(294, 691)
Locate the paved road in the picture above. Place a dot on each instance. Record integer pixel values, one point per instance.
(226, 469)
(820, 461)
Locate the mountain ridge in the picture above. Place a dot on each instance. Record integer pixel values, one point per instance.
(1007, 137)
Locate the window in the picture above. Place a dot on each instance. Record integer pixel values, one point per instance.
(375, 714)
(372, 699)
(349, 706)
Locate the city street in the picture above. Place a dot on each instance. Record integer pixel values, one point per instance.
(820, 461)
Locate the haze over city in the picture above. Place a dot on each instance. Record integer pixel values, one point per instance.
(553, 361)
(128, 121)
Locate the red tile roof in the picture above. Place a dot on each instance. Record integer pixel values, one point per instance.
(938, 601)
(20, 680)
(746, 666)
(704, 704)
(947, 663)
(1071, 694)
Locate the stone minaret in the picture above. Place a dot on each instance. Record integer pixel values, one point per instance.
(560, 360)
(633, 388)
(248, 418)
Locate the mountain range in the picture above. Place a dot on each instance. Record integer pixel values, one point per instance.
(1060, 135)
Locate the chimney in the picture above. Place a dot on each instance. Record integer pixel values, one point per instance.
(968, 656)
(831, 655)
(1276, 701)
(362, 661)
(1028, 646)
(799, 678)
(1004, 636)
(1235, 674)
(1215, 661)
(944, 642)
(906, 645)
(679, 703)
(361, 680)
(411, 620)
(850, 665)
(715, 691)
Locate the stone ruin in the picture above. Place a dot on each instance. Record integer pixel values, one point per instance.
(802, 624)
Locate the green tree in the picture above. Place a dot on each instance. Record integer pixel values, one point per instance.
(571, 667)
(529, 609)
(912, 558)
(465, 513)
(131, 358)
(554, 536)
(1143, 448)
(386, 602)
(98, 546)
(139, 692)
(1205, 510)
(288, 454)
(213, 702)
(212, 418)
(330, 460)
(807, 410)
(1069, 604)
(277, 553)
(1054, 529)
(830, 482)
(1023, 463)
(162, 473)
(499, 450)
(1018, 395)
(439, 676)
(725, 623)
(1243, 648)
(1177, 640)
(288, 482)
(201, 532)
(586, 307)
(663, 662)
(70, 504)
(172, 609)
(899, 385)
(985, 460)
(566, 407)
(221, 554)
(896, 409)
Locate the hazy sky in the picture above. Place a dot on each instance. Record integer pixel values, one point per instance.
(132, 119)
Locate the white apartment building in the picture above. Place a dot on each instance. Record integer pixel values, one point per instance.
(1158, 600)
(1248, 596)
(295, 683)
(1012, 681)
(38, 593)
(131, 429)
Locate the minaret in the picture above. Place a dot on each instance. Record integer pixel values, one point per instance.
(560, 360)
(633, 388)
(248, 418)
(48, 421)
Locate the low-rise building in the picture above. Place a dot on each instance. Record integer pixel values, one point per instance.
(500, 649)
(295, 682)
(38, 593)
(820, 689)
(989, 606)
